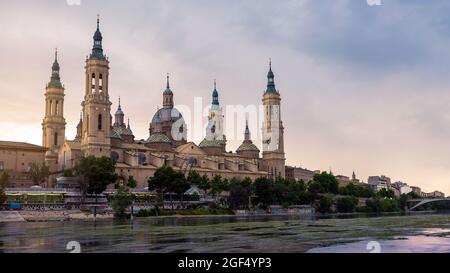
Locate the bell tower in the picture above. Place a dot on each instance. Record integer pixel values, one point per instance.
(54, 123)
(96, 105)
(273, 131)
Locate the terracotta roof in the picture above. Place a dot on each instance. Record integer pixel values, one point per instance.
(20, 145)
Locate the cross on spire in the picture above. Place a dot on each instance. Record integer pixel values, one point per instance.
(168, 81)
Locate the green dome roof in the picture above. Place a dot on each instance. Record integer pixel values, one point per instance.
(211, 143)
(122, 131)
(158, 138)
(248, 147)
(115, 134)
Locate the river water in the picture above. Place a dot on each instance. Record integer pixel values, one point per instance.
(263, 234)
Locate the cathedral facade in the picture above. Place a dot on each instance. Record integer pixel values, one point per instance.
(99, 133)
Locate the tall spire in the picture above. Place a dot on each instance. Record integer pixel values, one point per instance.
(247, 131)
(168, 95)
(168, 81)
(97, 50)
(119, 115)
(55, 80)
(271, 80)
(215, 94)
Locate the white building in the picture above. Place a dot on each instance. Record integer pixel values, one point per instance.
(379, 182)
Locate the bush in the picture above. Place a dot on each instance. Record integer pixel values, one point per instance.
(122, 200)
(347, 204)
(378, 205)
(68, 173)
(145, 213)
(325, 204)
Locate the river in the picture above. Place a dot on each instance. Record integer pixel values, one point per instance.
(263, 234)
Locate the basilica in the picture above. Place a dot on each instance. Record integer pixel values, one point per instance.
(99, 133)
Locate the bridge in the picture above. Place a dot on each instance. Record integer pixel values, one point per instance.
(419, 202)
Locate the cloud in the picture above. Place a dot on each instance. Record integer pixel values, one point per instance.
(364, 88)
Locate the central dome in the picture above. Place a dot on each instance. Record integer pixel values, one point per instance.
(166, 115)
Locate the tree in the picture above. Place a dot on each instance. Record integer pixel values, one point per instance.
(263, 189)
(205, 184)
(347, 204)
(95, 174)
(180, 185)
(132, 183)
(122, 200)
(390, 205)
(162, 180)
(240, 192)
(323, 183)
(4, 182)
(217, 185)
(356, 190)
(194, 178)
(325, 204)
(39, 173)
(280, 192)
(385, 193)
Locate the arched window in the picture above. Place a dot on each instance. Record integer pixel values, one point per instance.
(57, 108)
(114, 156)
(56, 139)
(51, 108)
(142, 159)
(100, 85)
(93, 82)
(100, 122)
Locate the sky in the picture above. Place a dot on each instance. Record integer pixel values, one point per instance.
(364, 88)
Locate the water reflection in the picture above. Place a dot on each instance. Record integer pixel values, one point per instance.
(270, 234)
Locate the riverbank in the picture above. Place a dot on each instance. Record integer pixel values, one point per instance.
(49, 216)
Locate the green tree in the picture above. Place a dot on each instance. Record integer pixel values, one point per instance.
(39, 173)
(122, 200)
(356, 190)
(323, 183)
(263, 190)
(239, 196)
(325, 204)
(4, 182)
(68, 173)
(95, 174)
(132, 183)
(217, 185)
(374, 205)
(280, 191)
(390, 205)
(205, 184)
(180, 185)
(162, 181)
(385, 193)
(346, 204)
